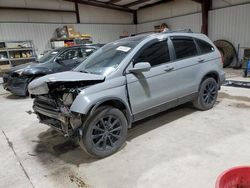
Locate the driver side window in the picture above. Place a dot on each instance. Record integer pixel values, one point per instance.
(70, 54)
(156, 54)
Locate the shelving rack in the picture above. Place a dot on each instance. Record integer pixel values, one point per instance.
(16, 52)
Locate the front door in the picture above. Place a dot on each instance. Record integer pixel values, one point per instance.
(68, 60)
(149, 92)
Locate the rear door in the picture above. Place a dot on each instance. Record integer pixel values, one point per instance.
(187, 65)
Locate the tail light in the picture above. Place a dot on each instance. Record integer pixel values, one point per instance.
(222, 57)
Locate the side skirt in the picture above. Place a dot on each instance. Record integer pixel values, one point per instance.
(165, 106)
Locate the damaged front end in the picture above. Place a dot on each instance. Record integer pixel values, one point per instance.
(52, 105)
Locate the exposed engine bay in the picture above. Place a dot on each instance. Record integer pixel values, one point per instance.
(53, 108)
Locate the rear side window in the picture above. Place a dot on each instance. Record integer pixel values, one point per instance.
(184, 47)
(156, 53)
(204, 46)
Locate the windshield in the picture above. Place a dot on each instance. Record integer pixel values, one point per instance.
(107, 59)
(48, 56)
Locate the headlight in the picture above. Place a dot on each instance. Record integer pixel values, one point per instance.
(67, 99)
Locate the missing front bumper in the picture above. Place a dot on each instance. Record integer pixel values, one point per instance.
(52, 114)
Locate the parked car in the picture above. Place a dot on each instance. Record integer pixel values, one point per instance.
(17, 78)
(126, 81)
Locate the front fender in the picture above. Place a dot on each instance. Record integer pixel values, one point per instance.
(83, 103)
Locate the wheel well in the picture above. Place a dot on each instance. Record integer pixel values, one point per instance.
(117, 104)
(212, 75)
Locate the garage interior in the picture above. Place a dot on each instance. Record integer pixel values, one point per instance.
(181, 147)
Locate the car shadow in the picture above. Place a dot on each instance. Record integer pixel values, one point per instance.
(161, 119)
(14, 97)
(54, 144)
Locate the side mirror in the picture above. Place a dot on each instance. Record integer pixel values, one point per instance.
(59, 60)
(140, 67)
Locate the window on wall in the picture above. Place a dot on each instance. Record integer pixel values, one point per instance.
(156, 54)
(204, 46)
(184, 47)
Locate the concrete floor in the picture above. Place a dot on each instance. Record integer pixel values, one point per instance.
(182, 147)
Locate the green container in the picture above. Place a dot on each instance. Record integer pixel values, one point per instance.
(245, 63)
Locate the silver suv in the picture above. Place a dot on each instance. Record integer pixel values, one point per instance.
(125, 81)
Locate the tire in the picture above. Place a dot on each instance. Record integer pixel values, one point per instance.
(104, 132)
(207, 95)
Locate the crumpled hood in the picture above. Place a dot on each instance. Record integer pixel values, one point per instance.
(40, 86)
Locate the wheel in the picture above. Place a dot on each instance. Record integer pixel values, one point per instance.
(104, 132)
(207, 95)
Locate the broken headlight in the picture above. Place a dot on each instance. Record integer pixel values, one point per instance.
(67, 99)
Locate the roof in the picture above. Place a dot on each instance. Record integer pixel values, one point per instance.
(123, 5)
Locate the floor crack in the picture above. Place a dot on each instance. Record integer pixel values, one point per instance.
(20, 163)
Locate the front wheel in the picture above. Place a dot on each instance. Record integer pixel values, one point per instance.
(207, 95)
(105, 132)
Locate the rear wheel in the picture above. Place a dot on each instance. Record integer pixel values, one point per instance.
(207, 94)
(105, 132)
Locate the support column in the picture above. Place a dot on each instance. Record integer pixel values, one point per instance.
(205, 5)
(77, 12)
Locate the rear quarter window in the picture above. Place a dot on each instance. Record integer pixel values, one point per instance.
(184, 47)
(204, 47)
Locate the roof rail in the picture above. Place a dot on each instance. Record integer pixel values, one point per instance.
(168, 31)
(179, 31)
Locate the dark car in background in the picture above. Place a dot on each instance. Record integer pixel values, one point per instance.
(16, 80)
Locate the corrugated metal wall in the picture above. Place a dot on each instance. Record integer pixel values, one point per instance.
(42, 33)
(169, 9)
(231, 23)
(192, 21)
(88, 14)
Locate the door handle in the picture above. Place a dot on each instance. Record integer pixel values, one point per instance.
(168, 68)
(201, 60)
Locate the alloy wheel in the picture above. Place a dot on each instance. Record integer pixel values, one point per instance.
(209, 93)
(106, 132)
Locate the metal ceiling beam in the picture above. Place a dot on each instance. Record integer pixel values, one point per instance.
(35, 9)
(113, 1)
(135, 3)
(197, 1)
(156, 3)
(102, 5)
